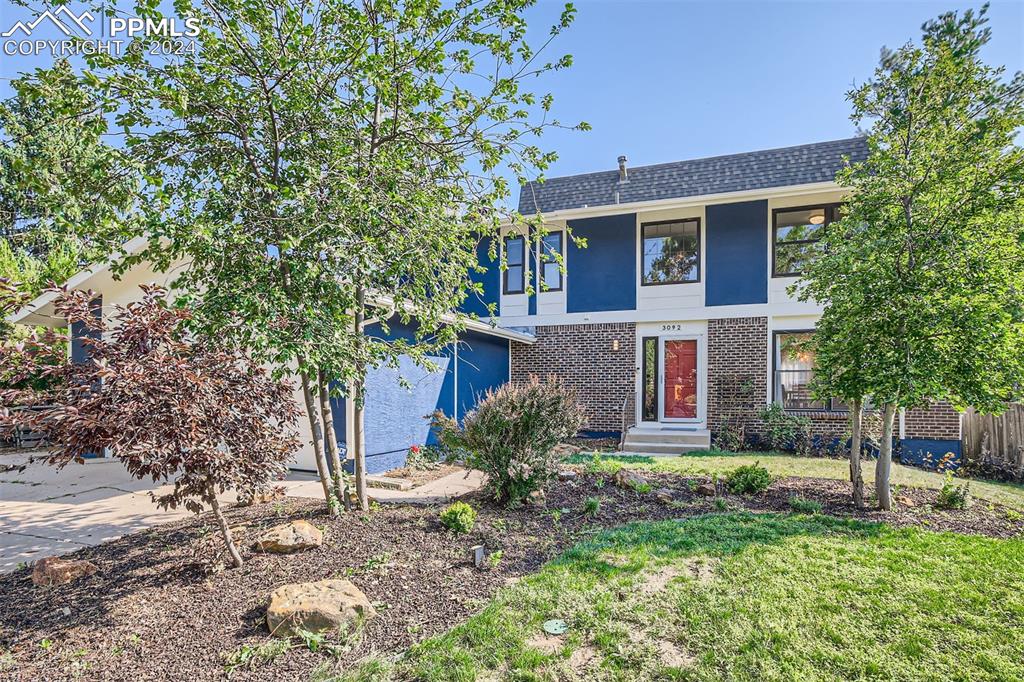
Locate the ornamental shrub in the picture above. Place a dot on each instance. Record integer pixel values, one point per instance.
(749, 479)
(175, 409)
(459, 517)
(784, 431)
(511, 435)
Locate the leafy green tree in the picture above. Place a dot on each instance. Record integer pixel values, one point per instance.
(322, 165)
(921, 280)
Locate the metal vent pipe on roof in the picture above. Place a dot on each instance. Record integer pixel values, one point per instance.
(623, 174)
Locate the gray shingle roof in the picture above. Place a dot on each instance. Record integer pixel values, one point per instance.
(803, 164)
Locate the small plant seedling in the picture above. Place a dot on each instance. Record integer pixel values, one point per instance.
(459, 517)
(591, 506)
(802, 505)
(953, 496)
(494, 559)
(250, 656)
(1013, 515)
(599, 482)
(721, 504)
(45, 644)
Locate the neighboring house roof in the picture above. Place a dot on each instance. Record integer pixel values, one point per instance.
(40, 311)
(800, 165)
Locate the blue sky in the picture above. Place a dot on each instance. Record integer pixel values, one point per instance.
(668, 80)
(671, 80)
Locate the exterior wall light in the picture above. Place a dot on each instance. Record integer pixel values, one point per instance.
(817, 217)
(615, 344)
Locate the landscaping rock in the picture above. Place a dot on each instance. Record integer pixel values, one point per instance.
(322, 606)
(290, 537)
(56, 571)
(664, 495)
(567, 475)
(627, 478)
(905, 501)
(566, 449)
(707, 490)
(538, 498)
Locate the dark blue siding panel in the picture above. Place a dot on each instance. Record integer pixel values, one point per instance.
(79, 351)
(736, 255)
(929, 454)
(491, 280)
(602, 276)
(483, 364)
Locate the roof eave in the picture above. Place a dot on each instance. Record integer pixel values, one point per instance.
(694, 200)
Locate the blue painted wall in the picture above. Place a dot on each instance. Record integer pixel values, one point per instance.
(491, 281)
(79, 351)
(602, 275)
(922, 452)
(398, 417)
(483, 364)
(736, 253)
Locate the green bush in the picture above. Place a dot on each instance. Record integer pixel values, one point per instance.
(952, 496)
(512, 432)
(459, 517)
(802, 505)
(784, 431)
(749, 479)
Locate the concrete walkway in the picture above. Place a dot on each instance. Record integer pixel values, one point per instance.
(44, 512)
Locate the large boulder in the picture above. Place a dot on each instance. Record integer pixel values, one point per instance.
(290, 537)
(56, 571)
(327, 605)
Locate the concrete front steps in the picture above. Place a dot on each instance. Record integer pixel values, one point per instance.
(666, 440)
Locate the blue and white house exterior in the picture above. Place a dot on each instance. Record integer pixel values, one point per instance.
(672, 322)
(676, 318)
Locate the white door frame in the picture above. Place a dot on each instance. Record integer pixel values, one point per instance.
(701, 373)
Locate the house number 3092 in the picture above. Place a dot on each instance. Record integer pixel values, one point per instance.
(671, 327)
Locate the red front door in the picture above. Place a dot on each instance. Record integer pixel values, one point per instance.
(681, 379)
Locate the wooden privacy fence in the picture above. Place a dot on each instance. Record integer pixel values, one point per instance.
(989, 440)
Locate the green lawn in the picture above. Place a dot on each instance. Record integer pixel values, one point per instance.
(748, 597)
(714, 462)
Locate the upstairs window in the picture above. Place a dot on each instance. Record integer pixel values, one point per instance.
(515, 260)
(671, 252)
(794, 370)
(798, 232)
(551, 273)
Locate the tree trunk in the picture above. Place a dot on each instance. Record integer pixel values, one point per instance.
(857, 419)
(882, 489)
(331, 438)
(358, 418)
(229, 541)
(318, 442)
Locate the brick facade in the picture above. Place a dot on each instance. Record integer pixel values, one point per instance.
(583, 355)
(938, 421)
(738, 378)
(737, 369)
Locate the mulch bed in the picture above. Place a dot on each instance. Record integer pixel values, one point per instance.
(153, 611)
(420, 476)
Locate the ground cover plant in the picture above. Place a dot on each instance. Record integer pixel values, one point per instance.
(718, 463)
(136, 617)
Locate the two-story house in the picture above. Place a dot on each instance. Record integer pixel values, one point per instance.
(674, 319)
(676, 316)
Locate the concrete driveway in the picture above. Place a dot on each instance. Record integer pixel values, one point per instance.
(44, 512)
